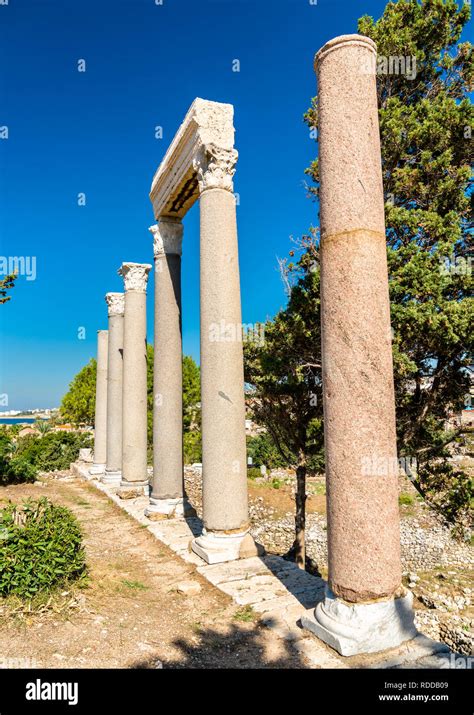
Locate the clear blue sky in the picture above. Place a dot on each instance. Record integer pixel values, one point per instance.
(93, 132)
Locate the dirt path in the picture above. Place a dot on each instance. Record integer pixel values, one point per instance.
(131, 614)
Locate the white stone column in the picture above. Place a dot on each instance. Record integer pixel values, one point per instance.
(167, 496)
(100, 420)
(225, 502)
(113, 470)
(134, 431)
(366, 608)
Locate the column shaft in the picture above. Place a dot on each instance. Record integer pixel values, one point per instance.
(134, 389)
(359, 404)
(225, 507)
(100, 421)
(168, 381)
(114, 392)
(134, 451)
(366, 608)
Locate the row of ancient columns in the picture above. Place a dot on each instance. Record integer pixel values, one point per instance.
(122, 380)
(365, 608)
(120, 450)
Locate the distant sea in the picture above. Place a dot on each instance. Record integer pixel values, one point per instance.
(16, 420)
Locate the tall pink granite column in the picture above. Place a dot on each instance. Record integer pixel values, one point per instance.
(366, 608)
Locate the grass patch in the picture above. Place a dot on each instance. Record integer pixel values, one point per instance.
(245, 614)
(317, 489)
(134, 585)
(405, 499)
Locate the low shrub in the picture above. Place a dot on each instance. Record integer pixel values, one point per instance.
(192, 446)
(13, 467)
(55, 450)
(253, 473)
(40, 548)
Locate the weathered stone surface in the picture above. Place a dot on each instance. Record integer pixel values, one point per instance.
(130, 492)
(134, 424)
(363, 519)
(353, 628)
(168, 484)
(85, 455)
(189, 588)
(116, 305)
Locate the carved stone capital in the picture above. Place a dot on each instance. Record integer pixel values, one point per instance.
(115, 303)
(135, 275)
(167, 237)
(215, 167)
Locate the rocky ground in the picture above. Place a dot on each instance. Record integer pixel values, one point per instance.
(437, 568)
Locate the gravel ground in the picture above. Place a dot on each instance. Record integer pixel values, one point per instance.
(437, 569)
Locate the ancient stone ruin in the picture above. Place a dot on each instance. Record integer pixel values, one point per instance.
(365, 608)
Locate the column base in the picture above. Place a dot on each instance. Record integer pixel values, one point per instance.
(217, 547)
(354, 628)
(111, 478)
(96, 469)
(131, 490)
(178, 508)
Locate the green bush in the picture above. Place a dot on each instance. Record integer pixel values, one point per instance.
(253, 473)
(405, 499)
(262, 449)
(55, 450)
(13, 467)
(40, 548)
(192, 447)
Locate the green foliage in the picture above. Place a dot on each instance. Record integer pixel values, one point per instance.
(405, 499)
(7, 284)
(191, 397)
(56, 450)
(14, 468)
(149, 387)
(191, 394)
(192, 447)
(263, 450)
(40, 548)
(425, 127)
(43, 426)
(78, 404)
(285, 373)
(253, 473)
(246, 614)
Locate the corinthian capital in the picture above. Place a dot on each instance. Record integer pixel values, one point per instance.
(115, 303)
(135, 275)
(167, 237)
(215, 167)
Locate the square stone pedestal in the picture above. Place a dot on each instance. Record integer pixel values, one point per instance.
(132, 490)
(216, 548)
(354, 628)
(112, 478)
(169, 509)
(97, 469)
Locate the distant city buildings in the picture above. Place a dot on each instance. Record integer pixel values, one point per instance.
(37, 411)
